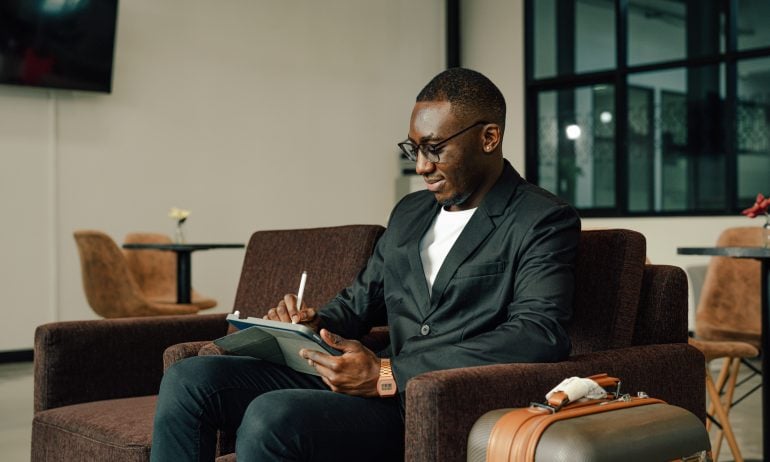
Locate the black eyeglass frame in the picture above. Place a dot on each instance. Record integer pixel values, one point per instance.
(411, 150)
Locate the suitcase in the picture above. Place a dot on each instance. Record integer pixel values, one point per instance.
(615, 428)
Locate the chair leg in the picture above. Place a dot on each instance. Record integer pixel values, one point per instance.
(723, 419)
(728, 393)
(726, 388)
(723, 375)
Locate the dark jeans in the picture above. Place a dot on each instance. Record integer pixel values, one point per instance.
(279, 414)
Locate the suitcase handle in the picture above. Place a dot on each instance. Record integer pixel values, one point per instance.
(559, 399)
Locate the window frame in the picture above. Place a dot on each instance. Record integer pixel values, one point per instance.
(619, 77)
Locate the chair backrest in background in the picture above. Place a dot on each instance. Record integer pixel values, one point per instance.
(729, 306)
(155, 271)
(109, 286)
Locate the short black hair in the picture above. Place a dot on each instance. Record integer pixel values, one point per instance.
(471, 94)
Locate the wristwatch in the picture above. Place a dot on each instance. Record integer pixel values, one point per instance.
(386, 384)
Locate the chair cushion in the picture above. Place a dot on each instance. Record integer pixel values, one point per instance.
(118, 429)
(713, 349)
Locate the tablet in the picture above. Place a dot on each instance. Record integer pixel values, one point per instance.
(275, 341)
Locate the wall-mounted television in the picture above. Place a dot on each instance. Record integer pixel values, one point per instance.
(67, 44)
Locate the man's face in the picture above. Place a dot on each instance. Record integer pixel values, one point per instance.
(463, 166)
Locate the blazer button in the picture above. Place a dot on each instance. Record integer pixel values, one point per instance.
(425, 329)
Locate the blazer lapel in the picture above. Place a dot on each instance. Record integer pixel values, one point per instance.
(476, 231)
(413, 238)
(474, 234)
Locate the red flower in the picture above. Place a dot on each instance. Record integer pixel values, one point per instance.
(760, 207)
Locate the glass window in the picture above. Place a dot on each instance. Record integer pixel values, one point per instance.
(752, 19)
(595, 35)
(576, 145)
(656, 31)
(676, 150)
(545, 38)
(753, 128)
(573, 36)
(641, 148)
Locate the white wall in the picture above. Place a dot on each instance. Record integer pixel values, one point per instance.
(252, 114)
(493, 43)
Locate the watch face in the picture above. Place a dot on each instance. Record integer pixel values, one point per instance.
(386, 387)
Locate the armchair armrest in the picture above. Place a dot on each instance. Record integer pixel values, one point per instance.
(180, 351)
(81, 361)
(441, 406)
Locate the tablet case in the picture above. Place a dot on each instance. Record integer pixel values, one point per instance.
(273, 341)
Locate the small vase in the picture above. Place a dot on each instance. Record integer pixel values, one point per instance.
(179, 234)
(766, 232)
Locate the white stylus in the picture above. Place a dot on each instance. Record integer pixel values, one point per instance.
(301, 291)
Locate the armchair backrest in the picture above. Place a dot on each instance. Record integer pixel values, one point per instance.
(608, 278)
(662, 314)
(275, 260)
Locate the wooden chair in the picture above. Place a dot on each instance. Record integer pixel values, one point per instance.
(728, 324)
(110, 287)
(721, 393)
(155, 271)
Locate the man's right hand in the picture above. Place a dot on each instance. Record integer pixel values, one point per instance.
(287, 311)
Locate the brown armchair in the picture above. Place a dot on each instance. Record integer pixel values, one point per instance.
(630, 321)
(96, 381)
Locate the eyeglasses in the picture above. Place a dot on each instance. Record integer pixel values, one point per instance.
(431, 151)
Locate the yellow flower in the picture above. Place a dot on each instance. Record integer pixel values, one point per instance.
(180, 215)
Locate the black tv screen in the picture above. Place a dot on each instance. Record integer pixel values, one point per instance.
(66, 44)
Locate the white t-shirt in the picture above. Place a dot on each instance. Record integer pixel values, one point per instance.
(439, 239)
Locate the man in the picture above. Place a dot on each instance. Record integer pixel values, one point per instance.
(476, 270)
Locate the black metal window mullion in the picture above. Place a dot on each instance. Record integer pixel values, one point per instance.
(731, 102)
(621, 108)
(530, 101)
(453, 33)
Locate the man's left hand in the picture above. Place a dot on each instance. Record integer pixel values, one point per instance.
(355, 372)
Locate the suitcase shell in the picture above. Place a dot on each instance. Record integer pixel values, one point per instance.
(639, 429)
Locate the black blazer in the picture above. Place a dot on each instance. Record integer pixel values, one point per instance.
(503, 294)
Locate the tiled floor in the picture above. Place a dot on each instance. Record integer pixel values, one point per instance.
(16, 416)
